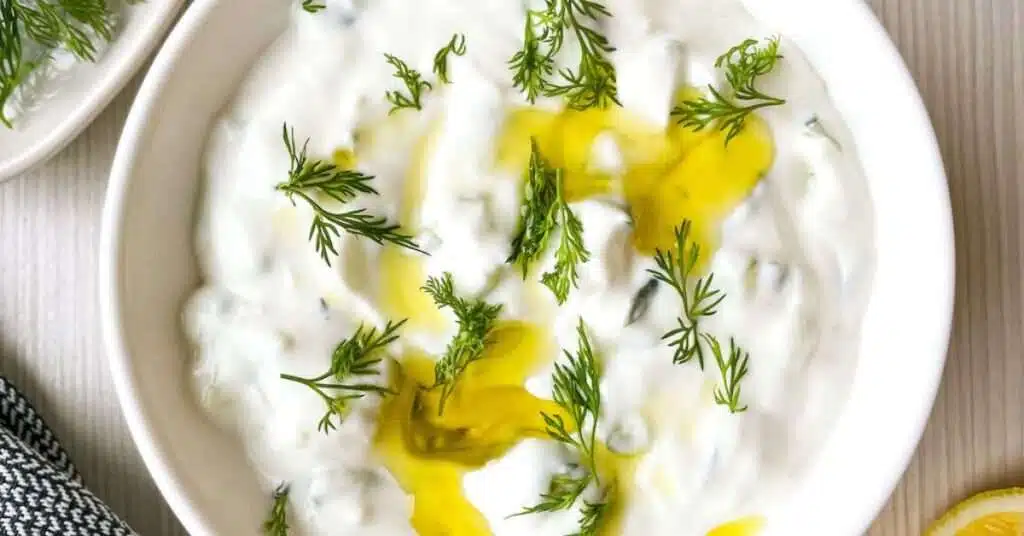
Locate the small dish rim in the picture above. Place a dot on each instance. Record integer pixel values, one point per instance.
(149, 22)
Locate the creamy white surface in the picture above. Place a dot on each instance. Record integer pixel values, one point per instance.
(260, 314)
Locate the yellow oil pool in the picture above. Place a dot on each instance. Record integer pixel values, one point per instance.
(667, 175)
(487, 414)
(748, 526)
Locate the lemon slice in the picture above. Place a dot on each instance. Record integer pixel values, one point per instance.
(992, 513)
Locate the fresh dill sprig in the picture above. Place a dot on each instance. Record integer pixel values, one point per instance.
(414, 83)
(699, 301)
(531, 66)
(571, 251)
(538, 211)
(733, 370)
(64, 23)
(14, 68)
(743, 64)
(456, 46)
(353, 358)
(48, 24)
(313, 6)
(543, 211)
(475, 318)
(276, 523)
(309, 179)
(590, 518)
(563, 492)
(577, 391)
(592, 83)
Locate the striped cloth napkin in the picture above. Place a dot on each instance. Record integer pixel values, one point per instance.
(41, 493)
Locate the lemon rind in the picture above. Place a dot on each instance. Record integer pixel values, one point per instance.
(1008, 500)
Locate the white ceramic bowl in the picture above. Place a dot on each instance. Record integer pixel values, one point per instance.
(147, 264)
(79, 99)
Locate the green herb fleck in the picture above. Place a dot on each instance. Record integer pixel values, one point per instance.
(563, 492)
(592, 83)
(313, 6)
(276, 523)
(456, 46)
(543, 211)
(570, 254)
(353, 358)
(744, 64)
(577, 391)
(537, 213)
(414, 84)
(590, 518)
(309, 179)
(733, 370)
(476, 320)
(699, 302)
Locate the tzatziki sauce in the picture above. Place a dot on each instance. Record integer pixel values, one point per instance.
(791, 250)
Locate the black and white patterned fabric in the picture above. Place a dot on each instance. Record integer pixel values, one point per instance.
(41, 493)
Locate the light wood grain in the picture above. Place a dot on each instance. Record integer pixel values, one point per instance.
(49, 331)
(968, 58)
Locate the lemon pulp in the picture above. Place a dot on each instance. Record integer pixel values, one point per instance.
(992, 513)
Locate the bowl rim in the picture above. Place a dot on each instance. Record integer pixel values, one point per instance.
(144, 434)
(895, 467)
(141, 431)
(113, 71)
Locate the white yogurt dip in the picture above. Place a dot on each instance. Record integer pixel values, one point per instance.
(794, 259)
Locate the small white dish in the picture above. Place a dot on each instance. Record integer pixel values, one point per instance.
(147, 265)
(91, 86)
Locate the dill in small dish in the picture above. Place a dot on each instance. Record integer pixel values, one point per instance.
(42, 40)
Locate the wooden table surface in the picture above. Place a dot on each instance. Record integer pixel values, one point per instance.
(966, 55)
